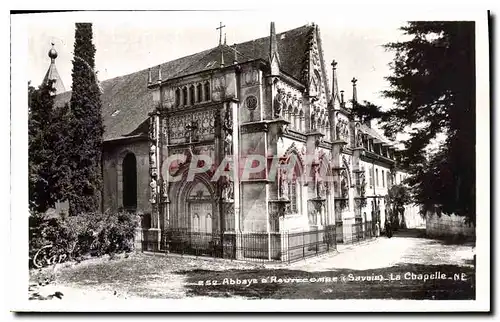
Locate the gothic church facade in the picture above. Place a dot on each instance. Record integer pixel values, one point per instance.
(269, 97)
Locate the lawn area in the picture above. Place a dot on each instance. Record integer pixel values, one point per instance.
(147, 276)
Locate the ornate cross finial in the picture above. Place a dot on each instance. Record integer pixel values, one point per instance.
(191, 131)
(334, 64)
(220, 32)
(354, 80)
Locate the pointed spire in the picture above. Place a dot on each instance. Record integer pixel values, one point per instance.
(274, 58)
(235, 55)
(334, 82)
(150, 77)
(52, 73)
(354, 91)
(159, 74)
(221, 57)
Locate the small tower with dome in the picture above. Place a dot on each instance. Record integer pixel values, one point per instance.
(52, 73)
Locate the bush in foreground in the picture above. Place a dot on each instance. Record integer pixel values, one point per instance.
(74, 237)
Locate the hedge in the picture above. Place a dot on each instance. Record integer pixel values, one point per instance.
(75, 237)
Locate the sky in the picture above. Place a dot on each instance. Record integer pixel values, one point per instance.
(131, 41)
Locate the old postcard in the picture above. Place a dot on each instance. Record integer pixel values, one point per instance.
(212, 160)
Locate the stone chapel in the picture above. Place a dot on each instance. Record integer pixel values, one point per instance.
(269, 97)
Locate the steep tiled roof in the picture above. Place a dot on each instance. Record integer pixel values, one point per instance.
(375, 134)
(53, 75)
(126, 100)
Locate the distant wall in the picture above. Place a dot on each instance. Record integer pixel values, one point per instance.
(445, 225)
(413, 219)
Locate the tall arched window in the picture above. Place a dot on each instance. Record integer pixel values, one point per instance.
(290, 116)
(129, 168)
(199, 91)
(376, 177)
(177, 97)
(191, 95)
(383, 178)
(302, 121)
(184, 96)
(295, 186)
(196, 222)
(208, 224)
(295, 190)
(207, 91)
(296, 119)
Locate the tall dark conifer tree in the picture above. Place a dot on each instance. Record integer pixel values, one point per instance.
(86, 126)
(40, 149)
(433, 86)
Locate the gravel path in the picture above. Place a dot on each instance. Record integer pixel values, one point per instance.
(403, 248)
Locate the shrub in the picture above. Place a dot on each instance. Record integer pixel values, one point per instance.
(83, 235)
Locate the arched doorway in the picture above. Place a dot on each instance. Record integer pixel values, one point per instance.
(129, 167)
(201, 209)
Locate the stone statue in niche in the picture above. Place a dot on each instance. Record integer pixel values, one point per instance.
(343, 187)
(227, 127)
(346, 131)
(359, 140)
(313, 121)
(278, 103)
(153, 188)
(164, 131)
(283, 184)
(152, 131)
(152, 156)
(165, 189)
(321, 189)
(228, 191)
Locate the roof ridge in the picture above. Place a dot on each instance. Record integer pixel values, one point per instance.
(278, 34)
(207, 51)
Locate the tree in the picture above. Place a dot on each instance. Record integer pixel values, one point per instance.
(433, 87)
(47, 137)
(366, 111)
(86, 126)
(397, 197)
(40, 104)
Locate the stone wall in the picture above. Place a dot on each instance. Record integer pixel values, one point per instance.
(113, 175)
(447, 226)
(413, 219)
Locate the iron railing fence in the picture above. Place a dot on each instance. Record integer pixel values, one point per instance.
(248, 246)
(355, 233)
